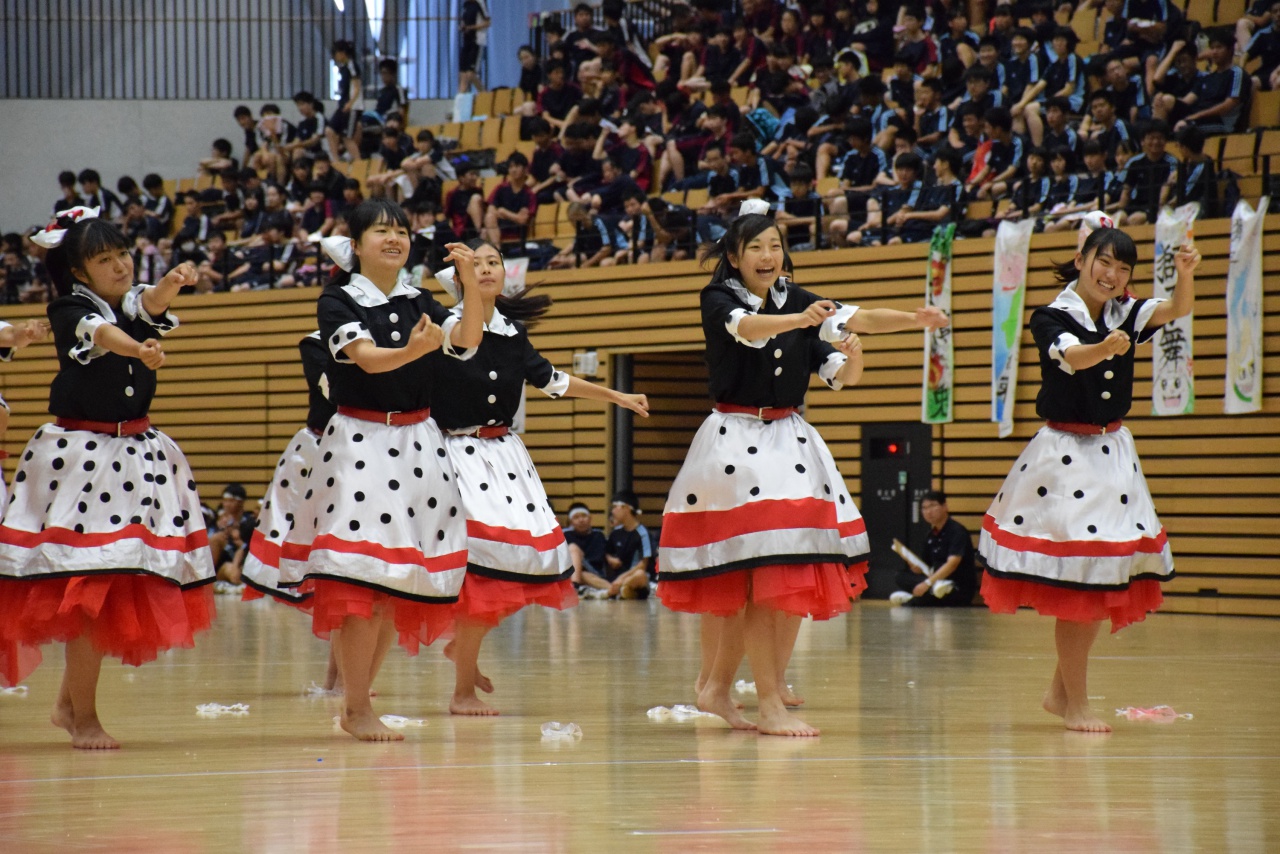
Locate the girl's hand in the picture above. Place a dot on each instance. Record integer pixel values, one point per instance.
(851, 346)
(464, 261)
(1116, 343)
(931, 317)
(181, 276)
(637, 403)
(29, 331)
(426, 337)
(816, 314)
(151, 353)
(1187, 259)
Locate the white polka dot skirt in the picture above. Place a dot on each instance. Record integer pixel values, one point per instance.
(512, 532)
(84, 501)
(279, 509)
(380, 508)
(1075, 511)
(753, 493)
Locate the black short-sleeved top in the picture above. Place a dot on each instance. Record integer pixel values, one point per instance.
(558, 102)
(948, 541)
(311, 127)
(94, 384)
(359, 310)
(629, 547)
(1144, 177)
(390, 98)
(592, 544)
(315, 367)
(1096, 395)
(773, 372)
(347, 72)
(483, 386)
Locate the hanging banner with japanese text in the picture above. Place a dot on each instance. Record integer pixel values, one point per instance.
(1173, 389)
(1008, 293)
(1244, 310)
(937, 405)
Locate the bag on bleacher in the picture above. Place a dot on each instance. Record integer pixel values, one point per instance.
(763, 124)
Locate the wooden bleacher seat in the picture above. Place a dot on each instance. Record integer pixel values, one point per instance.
(491, 133)
(739, 95)
(673, 197)
(827, 185)
(482, 106)
(1269, 146)
(1229, 11)
(694, 199)
(544, 222)
(469, 139)
(1264, 112)
(1200, 10)
(488, 185)
(979, 209)
(1238, 152)
(501, 102)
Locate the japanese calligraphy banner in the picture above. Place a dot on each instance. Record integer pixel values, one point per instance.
(1172, 374)
(1008, 292)
(1244, 310)
(937, 401)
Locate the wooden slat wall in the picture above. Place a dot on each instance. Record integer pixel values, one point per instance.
(676, 385)
(233, 392)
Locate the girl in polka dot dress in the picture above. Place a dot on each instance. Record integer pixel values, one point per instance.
(758, 524)
(1073, 532)
(379, 536)
(103, 545)
(517, 553)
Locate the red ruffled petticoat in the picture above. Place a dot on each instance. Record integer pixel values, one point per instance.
(818, 590)
(491, 600)
(251, 594)
(130, 616)
(1121, 607)
(417, 623)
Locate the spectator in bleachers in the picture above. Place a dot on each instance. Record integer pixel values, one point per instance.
(1004, 159)
(990, 59)
(275, 133)
(930, 116)
(759, 177)
(309, 132)
(195, 229)
(216, 264)
(683, 163)
(941, 203)
(958, 42)
(1058, 132)
(219, 158)
(914, 43)
(268, 263)
(629, 150)
(966, 137)
(633, 75)
(978, 91)
(231, 198)
(158, 205)
(578, 169)
(752, 50)
(1199, 177)
(128, 189)
(595, 242)
(1030, 196)
(1168, 88)
(678, 50)
(512, 205)
(888, 207)
(149, 262)
(137, 223)
(322, 172)
(780, 84)
(1025, 86)
(1003, 24)
(901, 96)
(352, 194)
(1259, 15)
(558, 97)
(639, 227)
(800, 217)
(94, 195)
(615, 184)
(860, 170)
(464, 204)
(719, 60)
(1128, 94)
(316, 214)
(244, 117)
(70, 198)
(873, 34)
(1218, 98)
(1106, 128)
(343, 130)
(721, 182)
(393, 151)
(1064, 74)
(425, 169)
(1099, 187)
(251, 222)
(1148, 178)
(544, 164)
(298, 189)
(587, 111)
(392, 97)
(1063, 187)
(1265, 47)
(580, 43)
(530, 72)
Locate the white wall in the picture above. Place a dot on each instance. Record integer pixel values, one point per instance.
(38, 139)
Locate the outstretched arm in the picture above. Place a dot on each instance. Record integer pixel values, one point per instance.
(871, 321)
(637, 403)
(156, 300)
(761, 327)
(1184, 289)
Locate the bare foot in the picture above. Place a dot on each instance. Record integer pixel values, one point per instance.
(1084, 720)
(91, 736)
(63, 718)
(699, 684)
(719, 703)
(484, 683)
(790, 698)
(1054, 703)
(473, 705)
(366, 726)
(776, 720)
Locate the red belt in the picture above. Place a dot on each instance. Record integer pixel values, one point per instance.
(1085, 429)
(764, 413)
(391, 419)
(111, 428)
(485, 432)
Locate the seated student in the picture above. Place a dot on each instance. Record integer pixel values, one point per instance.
(1064, 75)
(1218, 98)
(530, 72)
(156, 202)
(230, 533)
(1128, 93)
(1063, 186)
(393, 151)
(232, 198)
(270, 262)
(629, 150)
(949, 553)
(217, 265)
(586, 545)
(594, 245)
(253, 220)
(776, 85)
(980, 89)
(614, 186)
(628, 554)
(681, 163)
(512, 205)
(966, 136)
(1110, 132)
(1175, 77)
(316, 216)
(639, 226)
(901, 96)
(244, 117)
(322, 172)
(464, 204)
(1097, 188)
(275, 133)
(931, 117)
(137, 223)
(1004, 160)
(308, 135)
(94, 195)
(558, 97)
(861, 171)
(392, 97)
(219, 158)
(1025, 86)
(939, 204)
(128, 190)
(70, 198)
(759, 177)
(422, 171)
(801, 214)
(578, 171)
(887, 209)
(1264, 45)
(1030, 194)
(1148, 178)
(1058, 132)
(1200, 183)
(195, 229)
(915, 44)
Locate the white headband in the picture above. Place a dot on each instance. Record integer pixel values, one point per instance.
(753, 206)
(52, 235)
(1091, 222)
(579, 511)
(341, 250)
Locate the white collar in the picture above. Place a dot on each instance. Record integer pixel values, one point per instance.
(103, 307)
(498, 324)
(1114, 313)
(778, 292)
(366, 294)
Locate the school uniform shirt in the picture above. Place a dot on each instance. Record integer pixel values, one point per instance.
(596, 235)
(720, 184)
(531, 79)
(770, 372)
(1111, 139)
(509, 199)
(486, 389)
(1211, 89)
(635, 162)
(933, 121)
(390, 98)
(310, 127)
(557, 103)
(947, 44)
(1032, 191)
(347, 72)
(629, 547)
(895, 198)
(765, 173)
(542, 160)
(455, 208)
(1068, 139)
(159, 207)
(1006, 154)
(810, 205)
(719, 64)
(1060, 72)
(1062, 192)
(1097, 395)
(1201, 185)
(1145, 177)
(947, 542)
(949, 196)
(1019, 74)
(1265, 45)
(592, 544)
(1133, 95)
(94, 384)
(108, 203)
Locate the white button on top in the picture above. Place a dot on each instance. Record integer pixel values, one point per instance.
(493, 399)
(493, 421)
(777, 372)
(128, 391)
(777, 354)
(493, 375)
(393, 317)
(1106, 395)
(395, 336)
(1109, 374)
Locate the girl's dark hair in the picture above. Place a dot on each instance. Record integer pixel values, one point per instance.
(1121, 245)
(522, 307)
(366, 215)
(744, 230)
(83, 240)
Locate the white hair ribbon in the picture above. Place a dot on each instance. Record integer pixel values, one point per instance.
(1091, 222)
(446, 279)
(753, 206)
(341, 250)
(53, 233)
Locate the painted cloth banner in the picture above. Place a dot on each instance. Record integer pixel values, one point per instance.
(1244, 310)
(937, 406)
(1173, 389)
(1008, 293)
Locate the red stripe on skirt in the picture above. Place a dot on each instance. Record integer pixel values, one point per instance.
(1074, 548)
(68, 537)
(440, 563)
(514, 537)
(265, 550)
(690, 530)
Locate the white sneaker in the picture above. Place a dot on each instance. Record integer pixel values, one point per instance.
(596, 593)
(900, 597)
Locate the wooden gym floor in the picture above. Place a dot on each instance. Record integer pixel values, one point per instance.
(932, 741)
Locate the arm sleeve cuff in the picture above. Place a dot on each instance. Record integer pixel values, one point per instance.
(449, 350)
(735, 318)
(84, 350)
(347, 333)
(6, 353)
(132, 306)
(832, 329)
(1058, 351)
(557, 386)
(830, 367)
